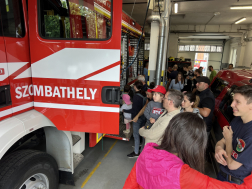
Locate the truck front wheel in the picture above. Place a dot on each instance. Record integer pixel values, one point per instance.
(28, 169)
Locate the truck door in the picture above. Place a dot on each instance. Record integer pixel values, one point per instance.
(16, 58)
(75, 56)
(5, 101)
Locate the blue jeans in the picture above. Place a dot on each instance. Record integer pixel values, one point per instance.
(136, 126)
(222, 178)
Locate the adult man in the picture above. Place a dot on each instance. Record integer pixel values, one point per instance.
(207, 101)
(169, 70)
(142, 79)
(197, 73)
(213, 73)
(174, 73)
(230, 66)
(236, 146)
(145, 72)
(171, 103)
(185, 71)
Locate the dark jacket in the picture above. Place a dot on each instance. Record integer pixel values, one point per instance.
(137, 104)
(207, 100)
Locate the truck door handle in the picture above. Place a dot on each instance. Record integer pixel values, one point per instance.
(111, 95)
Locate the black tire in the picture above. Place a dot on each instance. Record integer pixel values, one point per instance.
(19, 166)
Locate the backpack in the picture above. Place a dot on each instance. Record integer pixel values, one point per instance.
(144, 98)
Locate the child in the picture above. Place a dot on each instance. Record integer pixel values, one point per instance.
(154, 108)
(127, 90)
(127, 105)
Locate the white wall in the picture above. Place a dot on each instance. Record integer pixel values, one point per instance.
(172, 45)
(247, 61)
(226, 52)
(146, 52)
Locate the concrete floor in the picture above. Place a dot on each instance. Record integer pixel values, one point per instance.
(113, 169)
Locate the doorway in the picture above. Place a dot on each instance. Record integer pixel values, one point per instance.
(201, 60)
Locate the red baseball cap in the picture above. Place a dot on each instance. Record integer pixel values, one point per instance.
(149, 90)
(159, 89)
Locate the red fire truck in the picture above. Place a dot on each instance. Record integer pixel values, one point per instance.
(59, 78)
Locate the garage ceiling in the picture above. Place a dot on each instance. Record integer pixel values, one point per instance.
(196, 12)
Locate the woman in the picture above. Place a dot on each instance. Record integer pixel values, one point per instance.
(178, 163)
(190, 102)
(139, 100)
(178, 83)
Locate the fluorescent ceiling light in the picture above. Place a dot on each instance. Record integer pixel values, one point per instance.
(242, 19)
(241, 7)
(176, 8)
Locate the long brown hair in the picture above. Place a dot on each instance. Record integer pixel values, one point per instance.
(139, 86)
(182, 78)
(186, 135)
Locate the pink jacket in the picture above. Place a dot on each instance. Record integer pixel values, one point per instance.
(158, 168)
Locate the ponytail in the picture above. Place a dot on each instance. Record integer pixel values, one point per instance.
(196, 103)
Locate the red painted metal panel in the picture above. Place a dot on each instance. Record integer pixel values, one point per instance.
(18, 58)
(70, 113)
(4, 77)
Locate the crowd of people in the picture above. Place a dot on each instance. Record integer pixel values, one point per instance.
(175, 125)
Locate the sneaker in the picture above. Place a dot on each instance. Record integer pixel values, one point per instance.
(133, 155)
(127, 131)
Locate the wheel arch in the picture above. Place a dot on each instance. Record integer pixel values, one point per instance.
(58, 143)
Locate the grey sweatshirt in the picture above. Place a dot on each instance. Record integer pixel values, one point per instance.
(153, 110)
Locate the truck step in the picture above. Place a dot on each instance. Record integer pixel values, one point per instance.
(75, 139)
(77, 158)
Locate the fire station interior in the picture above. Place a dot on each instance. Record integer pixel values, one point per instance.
(193, 24)
(200, 33)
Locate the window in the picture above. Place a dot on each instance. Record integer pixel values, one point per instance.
(181, 48)
(187, 47)
(192, 47)
(12, 18)
(79, 19)
(225, 105)
(147, 46)
(200, 48)
(213, 48)
(218, 86)
(219, 48)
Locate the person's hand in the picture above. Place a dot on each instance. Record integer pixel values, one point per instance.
(142, 127)
(227, 133)
(152, 120)
(135, 119)
(219, 153)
